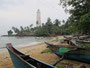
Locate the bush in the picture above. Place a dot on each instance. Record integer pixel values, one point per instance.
(46, 51)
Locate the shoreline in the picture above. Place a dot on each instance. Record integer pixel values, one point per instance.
(35, 52)
(32, 50)
(32, 36)
(26, 36)
(23, 42)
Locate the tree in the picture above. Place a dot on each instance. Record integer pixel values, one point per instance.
(49, 28)
(57, 22)
(49, 25)
(16, 30)
(41, 32)
(10, 32)
(63, 21)
(22, 29)
(80, 9)
(31, 25)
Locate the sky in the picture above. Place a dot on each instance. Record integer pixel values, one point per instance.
(23, 12)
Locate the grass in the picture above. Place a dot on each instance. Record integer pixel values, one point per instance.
(86, 45)
(46, 51)
(60, 66)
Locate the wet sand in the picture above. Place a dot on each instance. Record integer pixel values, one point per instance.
(35, 51)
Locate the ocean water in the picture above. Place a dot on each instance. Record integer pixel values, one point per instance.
(22, 41)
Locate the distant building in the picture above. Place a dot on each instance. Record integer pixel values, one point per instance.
(38, 22)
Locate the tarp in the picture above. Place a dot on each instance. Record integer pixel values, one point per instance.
(63, 50)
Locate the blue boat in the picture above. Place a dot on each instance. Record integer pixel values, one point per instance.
(20, 60)
(81, 54)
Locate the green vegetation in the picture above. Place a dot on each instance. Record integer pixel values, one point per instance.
(79, 11)
(23, 30)
(46, 51)
(77, 23)
(50, 28)
(10, 32)
(60, 66)
(86, 45)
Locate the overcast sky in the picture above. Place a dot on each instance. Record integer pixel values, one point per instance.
(23, 12)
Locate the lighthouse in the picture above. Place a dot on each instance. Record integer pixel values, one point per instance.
(38, 22)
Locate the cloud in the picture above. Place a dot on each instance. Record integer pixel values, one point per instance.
(23, 12)
(26, 9)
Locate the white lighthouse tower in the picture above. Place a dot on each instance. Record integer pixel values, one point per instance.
(38, 23)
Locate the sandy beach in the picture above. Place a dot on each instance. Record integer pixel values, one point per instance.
(34, 51)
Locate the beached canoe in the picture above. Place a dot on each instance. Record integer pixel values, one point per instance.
(80, 43)
(21, 60)
(83, 43)
(76, 40)
(81, 54)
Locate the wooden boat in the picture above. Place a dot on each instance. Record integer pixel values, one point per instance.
(68, 39)
(80, 43)
(21, 60)
(77, 38)
(83, 43)
(77, 41)
(71, 52)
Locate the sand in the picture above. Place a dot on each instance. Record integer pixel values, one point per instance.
(5, 60)
(35, 51)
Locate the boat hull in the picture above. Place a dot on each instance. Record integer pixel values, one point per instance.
(73, 56)
(19, 63)
(21, 60)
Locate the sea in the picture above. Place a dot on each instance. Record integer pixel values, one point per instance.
(22, 41)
